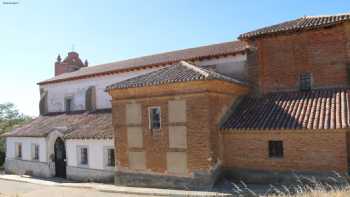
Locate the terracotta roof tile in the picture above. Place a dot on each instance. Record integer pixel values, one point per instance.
(316, 109)
(157, 59)
(180, 72)
(300, 24)
(79, 125)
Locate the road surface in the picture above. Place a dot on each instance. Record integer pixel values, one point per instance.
(19, 189)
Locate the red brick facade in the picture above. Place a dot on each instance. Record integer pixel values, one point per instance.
(325, 53)
(71, 63)
(304, 151)
(206, 104)
(274, 63)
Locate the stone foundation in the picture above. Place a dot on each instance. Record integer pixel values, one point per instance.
(280, 178)
(33, 168)
(88, 174)
(198, 181)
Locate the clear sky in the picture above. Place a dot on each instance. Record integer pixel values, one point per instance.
(33, 32)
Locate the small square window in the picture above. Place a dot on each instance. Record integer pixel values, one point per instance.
(19, 150)
(68, 103)
(154, 117)
(35, 152)
(110, 157)
(83, 156)
(276, 149)
(305, 81)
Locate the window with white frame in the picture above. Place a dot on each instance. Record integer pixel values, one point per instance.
(18, 150)
(83, 156)
(35, 152)
(154, 117)
(110, 160)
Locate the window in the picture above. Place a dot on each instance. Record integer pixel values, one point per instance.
(110, 157)
(68, 102)
(35, 152)
(19, 150)
(83, 156)
(305, 81)
(275, 149)
(154, 117)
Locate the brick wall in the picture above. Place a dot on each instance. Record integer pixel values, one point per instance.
(203, 112)
(316, 151)
(281, 59)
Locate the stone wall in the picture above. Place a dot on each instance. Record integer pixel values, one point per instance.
(282, 58)
(35, 168)
(304, 151)
(88, 174)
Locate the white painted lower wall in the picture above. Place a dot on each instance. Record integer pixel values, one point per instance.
(26, 147)
(96, 152)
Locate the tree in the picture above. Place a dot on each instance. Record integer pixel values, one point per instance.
(10, 118)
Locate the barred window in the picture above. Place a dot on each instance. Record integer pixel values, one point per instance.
(276, 149)
(19, 150)
(154, 117)
(84, 156)
(110, 157)
(35, 151)
(305, 81)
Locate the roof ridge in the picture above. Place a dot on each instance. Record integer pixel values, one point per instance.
(313, 90)
(168, 51)
(195, 68)
(303, 23)
(326, 15)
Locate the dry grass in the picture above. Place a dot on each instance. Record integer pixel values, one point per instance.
(337, 186)
(344, 192)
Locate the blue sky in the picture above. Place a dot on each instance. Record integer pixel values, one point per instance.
(33, 32)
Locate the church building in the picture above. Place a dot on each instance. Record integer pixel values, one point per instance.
(273, 102)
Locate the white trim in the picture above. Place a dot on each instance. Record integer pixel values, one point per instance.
(32, 149)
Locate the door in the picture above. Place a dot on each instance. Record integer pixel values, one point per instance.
(60, 158)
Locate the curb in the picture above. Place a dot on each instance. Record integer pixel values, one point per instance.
(123, 190)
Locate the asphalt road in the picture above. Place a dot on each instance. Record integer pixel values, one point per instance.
(19, 189)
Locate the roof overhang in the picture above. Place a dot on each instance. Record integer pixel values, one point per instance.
(190, 87)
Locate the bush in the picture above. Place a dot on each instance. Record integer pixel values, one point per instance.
(10, 118)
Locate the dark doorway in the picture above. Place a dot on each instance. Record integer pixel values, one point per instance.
(60, 158)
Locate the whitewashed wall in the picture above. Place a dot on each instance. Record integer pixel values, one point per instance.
(231, 65)
(57, 92)
(96, 152)
(26, 147)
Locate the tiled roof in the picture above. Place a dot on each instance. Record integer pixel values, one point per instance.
(225, 48)
(300, 24)
(317, 109)
(79, 125)
(180, 72)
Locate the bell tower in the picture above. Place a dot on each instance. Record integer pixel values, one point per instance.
(70, 64)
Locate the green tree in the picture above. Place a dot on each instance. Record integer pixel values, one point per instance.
(10, 118)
